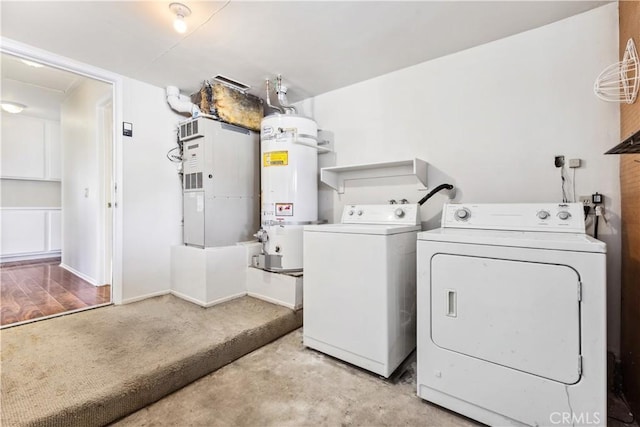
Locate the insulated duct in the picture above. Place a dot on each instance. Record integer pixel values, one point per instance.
(181, 103)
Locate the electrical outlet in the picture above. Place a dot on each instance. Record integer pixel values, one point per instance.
(586, 200)
(559, 161)
(574, 163)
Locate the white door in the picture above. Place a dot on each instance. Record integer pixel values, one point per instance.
(108, 191)
(521, 315)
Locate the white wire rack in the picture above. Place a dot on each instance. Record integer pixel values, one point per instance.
(619, 82)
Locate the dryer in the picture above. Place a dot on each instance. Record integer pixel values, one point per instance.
(512, 315)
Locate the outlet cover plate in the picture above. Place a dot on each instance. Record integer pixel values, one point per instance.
(586, 200)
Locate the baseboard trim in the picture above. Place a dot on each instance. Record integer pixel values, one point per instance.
(187, 298)
(83, 276)
(203, 303)
(273, 301)
(30, 256)
(225, 299)
(143, 297)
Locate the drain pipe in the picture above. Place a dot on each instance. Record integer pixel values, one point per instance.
(181, 103)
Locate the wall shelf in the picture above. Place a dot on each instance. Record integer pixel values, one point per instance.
(336, 176)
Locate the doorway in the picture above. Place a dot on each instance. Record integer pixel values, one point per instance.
(57, 188)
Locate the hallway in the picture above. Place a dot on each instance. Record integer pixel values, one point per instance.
(39, 288)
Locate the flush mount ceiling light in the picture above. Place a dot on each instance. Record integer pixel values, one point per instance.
(181, 12)
(31, 63)
(12, 107)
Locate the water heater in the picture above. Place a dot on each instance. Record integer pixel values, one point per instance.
(289, 172)
(220, 184)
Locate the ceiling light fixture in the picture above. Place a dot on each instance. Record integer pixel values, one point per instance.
(181, 12)
(32, 64)
(12, 107)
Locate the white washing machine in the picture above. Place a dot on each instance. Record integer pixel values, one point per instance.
(360, 286)
(512, 315)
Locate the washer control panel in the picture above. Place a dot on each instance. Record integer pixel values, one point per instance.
(557, 217)
(404, 214)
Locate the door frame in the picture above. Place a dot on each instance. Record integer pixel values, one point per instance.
(104, 113)
(28, 52)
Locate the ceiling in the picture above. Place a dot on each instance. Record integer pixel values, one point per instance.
(42, 89)
(317, 46)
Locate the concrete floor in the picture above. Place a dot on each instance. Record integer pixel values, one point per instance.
(286, 384)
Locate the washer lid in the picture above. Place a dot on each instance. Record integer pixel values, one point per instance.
(378, 229)
(521, 239)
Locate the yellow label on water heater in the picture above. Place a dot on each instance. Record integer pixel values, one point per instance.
(275, 158)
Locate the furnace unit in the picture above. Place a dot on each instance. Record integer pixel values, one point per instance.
(221, 182)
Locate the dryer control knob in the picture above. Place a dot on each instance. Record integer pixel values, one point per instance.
(543, 214)
(399, 213)
(359, 213)
(564, 215)
(351, 212)
(463, 214)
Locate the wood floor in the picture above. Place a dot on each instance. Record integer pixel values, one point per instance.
(29, 290)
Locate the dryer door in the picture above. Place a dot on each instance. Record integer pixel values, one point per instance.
(522, 315)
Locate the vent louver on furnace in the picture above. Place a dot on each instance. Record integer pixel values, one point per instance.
(189, 130)
(193, 181)
(630, 145)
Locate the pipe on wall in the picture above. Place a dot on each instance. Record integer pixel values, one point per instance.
(181, 103)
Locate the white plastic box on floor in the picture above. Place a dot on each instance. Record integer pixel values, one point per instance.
(211, 276)
(278, 288)
(208, 276)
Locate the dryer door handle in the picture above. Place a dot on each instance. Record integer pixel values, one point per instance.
(451, 301)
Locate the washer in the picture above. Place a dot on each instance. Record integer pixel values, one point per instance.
(360, 286)
(512, 315)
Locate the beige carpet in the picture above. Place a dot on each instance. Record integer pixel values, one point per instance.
(91, 368)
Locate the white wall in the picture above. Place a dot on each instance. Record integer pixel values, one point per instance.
(81, 180)
(152, 198)
(490, 121)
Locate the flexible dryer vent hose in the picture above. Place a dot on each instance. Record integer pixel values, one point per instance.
(434, 191)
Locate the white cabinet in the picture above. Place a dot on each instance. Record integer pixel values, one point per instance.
(54, 230)
(30, 148)
(23, 231)
(29, 233)
(23, 147)
(53, 150)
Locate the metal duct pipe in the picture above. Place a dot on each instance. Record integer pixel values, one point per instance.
(281, 90)
(275, 107)
(181, 103)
